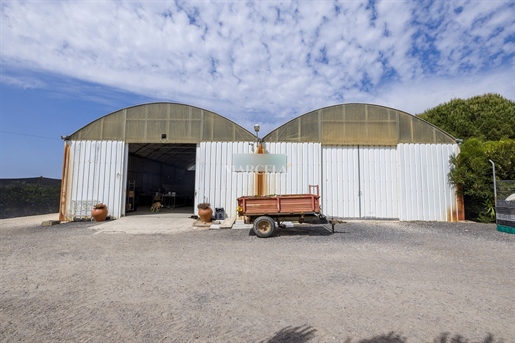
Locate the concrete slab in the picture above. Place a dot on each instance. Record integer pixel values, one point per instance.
(141, 222)
(28, 221)
(242, 227)
(148, 224)
(201, 224)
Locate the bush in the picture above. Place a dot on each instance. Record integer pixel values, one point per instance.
(471, 169)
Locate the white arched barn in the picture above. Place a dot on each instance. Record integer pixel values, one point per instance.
(369, 162)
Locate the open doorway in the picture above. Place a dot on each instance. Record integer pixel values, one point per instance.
(161, 172)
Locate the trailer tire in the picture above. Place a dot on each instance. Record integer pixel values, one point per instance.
(264, 226)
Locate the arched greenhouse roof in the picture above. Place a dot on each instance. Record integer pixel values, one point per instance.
(163, 122)
(359, 124)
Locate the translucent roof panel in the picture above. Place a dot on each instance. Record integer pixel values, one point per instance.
(359, 124)
(149, 123)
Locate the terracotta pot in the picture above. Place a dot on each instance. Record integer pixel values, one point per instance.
(205, 214)
(99, 214)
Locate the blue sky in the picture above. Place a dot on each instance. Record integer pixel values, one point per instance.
(67, 63)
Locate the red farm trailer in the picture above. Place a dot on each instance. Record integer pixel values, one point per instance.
(264, 211)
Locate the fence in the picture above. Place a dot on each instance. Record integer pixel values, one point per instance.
(505, 206)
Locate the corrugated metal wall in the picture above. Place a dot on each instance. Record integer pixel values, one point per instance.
(96, 173)
(340, 181)
(379, 190)
(424, 188)
(406, 183)
(360, 182)
(383, 182)
(303, 168)
(218, 184)
(215, 181)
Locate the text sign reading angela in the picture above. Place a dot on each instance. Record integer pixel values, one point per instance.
(268, 163)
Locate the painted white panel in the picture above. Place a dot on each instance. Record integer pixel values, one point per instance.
(378, 177)
(408, 182)
(215, 180)
(303, 164)
(340, 187)
(360, 182)
(97, 173)
(425, 191)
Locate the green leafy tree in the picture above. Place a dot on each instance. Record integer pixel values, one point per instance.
(489, 117)
(487, 125)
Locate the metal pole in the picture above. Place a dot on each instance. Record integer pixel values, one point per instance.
(495, 184)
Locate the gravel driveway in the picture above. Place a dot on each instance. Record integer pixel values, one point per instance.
(368, 282)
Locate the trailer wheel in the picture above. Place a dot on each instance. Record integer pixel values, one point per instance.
(264, 226)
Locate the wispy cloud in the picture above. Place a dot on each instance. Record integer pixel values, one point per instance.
(19, 79)
(269, 59)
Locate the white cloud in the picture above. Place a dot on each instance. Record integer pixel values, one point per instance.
(429, 92)
(22, 81)
(278, 59)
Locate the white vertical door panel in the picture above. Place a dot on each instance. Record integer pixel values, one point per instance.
(425, 191)
(97, 174)
(378, 182)
(360, 182)
(340, 186)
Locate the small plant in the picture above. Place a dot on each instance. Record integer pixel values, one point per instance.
(99, 206)
(203, 206)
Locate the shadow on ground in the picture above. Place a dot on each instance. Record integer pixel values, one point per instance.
(314, 230)
(298, 334)
(306, 333)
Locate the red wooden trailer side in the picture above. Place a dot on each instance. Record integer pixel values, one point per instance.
(264, 211)
(280, 204)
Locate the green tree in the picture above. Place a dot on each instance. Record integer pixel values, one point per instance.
(486, 123)
(489, 117)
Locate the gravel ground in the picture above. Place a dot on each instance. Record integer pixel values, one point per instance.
(369, 282)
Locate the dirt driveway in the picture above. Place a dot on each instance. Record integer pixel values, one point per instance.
(368, 282)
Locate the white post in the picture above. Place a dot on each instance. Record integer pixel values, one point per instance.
(495, 184)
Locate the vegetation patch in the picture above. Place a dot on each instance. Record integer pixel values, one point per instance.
(30, 196)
